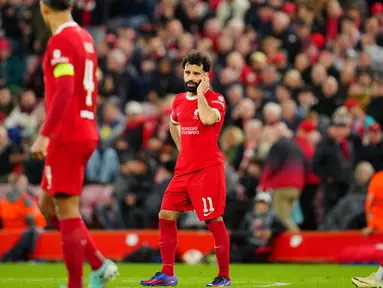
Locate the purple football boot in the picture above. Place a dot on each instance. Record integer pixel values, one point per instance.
(160, 279)
(219, 281)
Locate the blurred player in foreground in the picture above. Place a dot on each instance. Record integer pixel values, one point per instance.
(199, 181)
(374, 205)
(68, 138)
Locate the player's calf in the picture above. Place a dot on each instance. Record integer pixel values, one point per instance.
(222, 250)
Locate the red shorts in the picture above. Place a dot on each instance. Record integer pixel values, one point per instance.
(203, 191)
(64, 166)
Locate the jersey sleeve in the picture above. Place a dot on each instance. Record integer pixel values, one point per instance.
(175, 112)
(61, 57)
(217, 103)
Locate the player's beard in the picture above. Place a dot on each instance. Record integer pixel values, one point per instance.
(191, 88)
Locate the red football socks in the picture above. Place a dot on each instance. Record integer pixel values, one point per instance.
(168, 244)
(221, 246)
(94, 257)
(74, 239)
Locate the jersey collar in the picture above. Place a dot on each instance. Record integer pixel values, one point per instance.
(191, 97)
(65, 25)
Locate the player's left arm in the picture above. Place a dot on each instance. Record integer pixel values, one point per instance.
(211, 110)
(61, 59)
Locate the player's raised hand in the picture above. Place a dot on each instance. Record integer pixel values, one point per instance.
(39, 148)
(203, 86)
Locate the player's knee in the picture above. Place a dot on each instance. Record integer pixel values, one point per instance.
(66, 206)
(168, 215)
(214, 220)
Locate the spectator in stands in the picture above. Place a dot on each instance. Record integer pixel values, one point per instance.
(11, 67)
(6, 101)
(162, 179)
(283, 173)
(372, 147)
(269, 82)
(333, 162)
(23, 117)
(317, 79)
(18, 211)
(246, 151)
(165, 81)
(272, 113)
(9, 155)
(102, 166)
(231, 141)
(328, 97)
(252, 241)
(243, 112)
(360, 121)
(375, 106)
(349, 213)
(132, 186)
(306, 138)
(238, 202)
(290, 114)
(306, 100)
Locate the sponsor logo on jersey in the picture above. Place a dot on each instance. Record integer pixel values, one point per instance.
(220, 98)
(189, 131)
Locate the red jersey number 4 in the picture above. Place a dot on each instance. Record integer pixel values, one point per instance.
(73, 45)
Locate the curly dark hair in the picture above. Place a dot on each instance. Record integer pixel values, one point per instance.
(195, 57)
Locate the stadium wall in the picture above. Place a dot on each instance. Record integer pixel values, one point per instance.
(310, 247)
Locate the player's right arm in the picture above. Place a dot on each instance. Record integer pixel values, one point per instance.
(175, 132)
(61, 59)
(173, 126)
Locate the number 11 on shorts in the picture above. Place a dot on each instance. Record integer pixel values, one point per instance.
(207, 203)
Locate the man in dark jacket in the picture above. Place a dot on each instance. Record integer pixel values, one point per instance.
(372, 147)
(252, 241)
(305, 139)
(333, 162)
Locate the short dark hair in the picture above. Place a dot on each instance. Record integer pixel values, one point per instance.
(59, 5)
(195, 57)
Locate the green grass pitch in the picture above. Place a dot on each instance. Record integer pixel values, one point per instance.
(272, 275)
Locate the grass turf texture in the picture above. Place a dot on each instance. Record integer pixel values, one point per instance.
(273, 275)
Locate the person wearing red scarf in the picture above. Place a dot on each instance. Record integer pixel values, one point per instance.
(305, 140)
(360, 121)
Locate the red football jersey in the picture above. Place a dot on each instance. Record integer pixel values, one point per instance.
(199, 143)
(73, 45)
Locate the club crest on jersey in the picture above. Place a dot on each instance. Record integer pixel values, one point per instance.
(195, 114)
(58, 58)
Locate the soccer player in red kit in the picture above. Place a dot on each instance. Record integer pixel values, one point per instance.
(199, 182)
(68, 138)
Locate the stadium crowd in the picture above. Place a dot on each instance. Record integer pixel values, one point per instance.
(303, 83)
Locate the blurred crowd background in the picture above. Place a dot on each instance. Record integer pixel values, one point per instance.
(303, 82)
